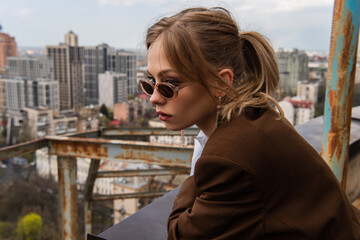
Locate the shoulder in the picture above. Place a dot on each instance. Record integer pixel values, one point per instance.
(254, 131)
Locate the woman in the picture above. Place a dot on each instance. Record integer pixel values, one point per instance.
(256, 177)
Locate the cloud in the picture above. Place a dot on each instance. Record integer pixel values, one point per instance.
(128, 3)
(305, 24)
(23, 12)
(280, 5)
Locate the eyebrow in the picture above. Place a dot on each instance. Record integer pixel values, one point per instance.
(162, 73)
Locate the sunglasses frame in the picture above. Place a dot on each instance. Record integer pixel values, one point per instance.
(175, 89)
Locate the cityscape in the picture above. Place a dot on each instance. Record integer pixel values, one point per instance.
(63, 89)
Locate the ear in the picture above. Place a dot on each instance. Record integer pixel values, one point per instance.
(228, 76)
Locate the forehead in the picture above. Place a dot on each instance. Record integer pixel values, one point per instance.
(157, 60)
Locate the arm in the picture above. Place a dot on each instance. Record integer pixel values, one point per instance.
(222, 200)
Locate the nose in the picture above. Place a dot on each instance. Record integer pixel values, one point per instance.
(156, 98)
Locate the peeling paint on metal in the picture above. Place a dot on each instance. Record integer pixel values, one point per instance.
(161, 154)
(340, 85)
(128, 195)
(68, 198)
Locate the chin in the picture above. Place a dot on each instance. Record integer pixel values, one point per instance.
(173, 127)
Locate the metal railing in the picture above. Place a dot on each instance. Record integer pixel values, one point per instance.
(174, 158)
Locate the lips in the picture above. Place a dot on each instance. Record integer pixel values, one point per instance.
(163, 116)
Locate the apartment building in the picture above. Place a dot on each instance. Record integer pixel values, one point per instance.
(293, 67)
(124, 62)
(67, 59)
(14, 93)
(31, 68)
(43, 122)
(309, 90)
(41, 89)
(132, 110)
(297, 110)
(113, 88)
(95, 58)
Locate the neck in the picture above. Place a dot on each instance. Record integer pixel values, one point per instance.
(209, 126)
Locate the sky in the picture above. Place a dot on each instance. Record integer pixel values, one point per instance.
(302, 24)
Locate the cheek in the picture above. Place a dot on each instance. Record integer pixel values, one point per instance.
(198, 102)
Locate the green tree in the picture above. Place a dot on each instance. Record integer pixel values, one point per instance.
(29, 227)
(142, 123)
(6, 230)
(104, 110)
(30, 157)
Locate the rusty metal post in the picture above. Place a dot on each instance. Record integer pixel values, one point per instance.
(88, 217)
(68, 211)
(89, 186)
(340, 86)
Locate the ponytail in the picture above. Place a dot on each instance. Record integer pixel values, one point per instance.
(257, 79)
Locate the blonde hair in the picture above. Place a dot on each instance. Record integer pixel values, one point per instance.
(199, 42)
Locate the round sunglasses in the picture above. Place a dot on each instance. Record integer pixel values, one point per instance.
(166, 90)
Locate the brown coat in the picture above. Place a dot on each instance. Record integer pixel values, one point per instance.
(257, 178)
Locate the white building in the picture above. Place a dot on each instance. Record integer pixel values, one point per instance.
(289, 111)
(14, 93)
(71, 39)
(112, 88)
(47, 94)
(20, 93)
(298, 111)
(169, 139)
(30, 68)
(308, 90)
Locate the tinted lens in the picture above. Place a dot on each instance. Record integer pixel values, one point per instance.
(166, 91)
(147, 88)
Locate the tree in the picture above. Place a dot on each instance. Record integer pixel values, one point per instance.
(29, 227)
(6, 230)
(104, 110)
(142, 123)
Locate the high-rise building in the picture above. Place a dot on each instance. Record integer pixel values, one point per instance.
(30, 68)
(101, 58)
(94, 63)
(68, 72)
(124, 62)
(15, 98)
(7, 48)
(112, 88)
(293, 67)
(41, 89)
(71, 39)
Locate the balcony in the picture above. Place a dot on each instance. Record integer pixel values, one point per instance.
(41, 123)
